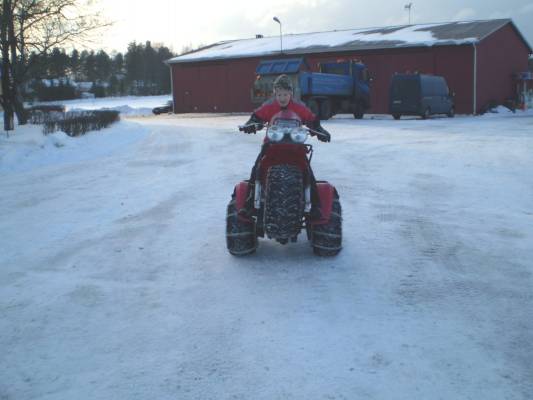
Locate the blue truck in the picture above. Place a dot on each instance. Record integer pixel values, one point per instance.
(338, 87)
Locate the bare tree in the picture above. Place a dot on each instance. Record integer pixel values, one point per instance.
(7, 83)
(38, 26)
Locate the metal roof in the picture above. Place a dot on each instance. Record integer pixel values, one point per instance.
(405, 36)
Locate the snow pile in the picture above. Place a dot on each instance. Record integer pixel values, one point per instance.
(132, 106)
(27, 147)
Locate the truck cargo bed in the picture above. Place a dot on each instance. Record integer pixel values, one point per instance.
(320, 84)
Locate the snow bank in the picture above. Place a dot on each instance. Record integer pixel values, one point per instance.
(127, 105)
(27, 148)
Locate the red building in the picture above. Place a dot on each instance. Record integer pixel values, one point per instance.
(479, 59)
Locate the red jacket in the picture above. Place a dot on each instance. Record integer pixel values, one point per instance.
(270, 108)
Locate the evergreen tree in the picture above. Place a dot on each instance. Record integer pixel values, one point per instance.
(89, 67)
(75, 64)
(118, 65)
(102, 66)
(164, 54)
(58, 63)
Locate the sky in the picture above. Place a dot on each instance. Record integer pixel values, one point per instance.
(179, 24)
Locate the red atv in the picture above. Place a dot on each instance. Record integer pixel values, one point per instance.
(282, 193)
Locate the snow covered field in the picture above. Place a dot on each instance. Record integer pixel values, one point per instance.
(115, 282)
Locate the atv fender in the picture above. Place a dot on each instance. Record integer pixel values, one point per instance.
(241, 193)
(326, 193)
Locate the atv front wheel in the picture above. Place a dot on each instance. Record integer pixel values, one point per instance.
(240, 234)
(326, 239)
(284, 202)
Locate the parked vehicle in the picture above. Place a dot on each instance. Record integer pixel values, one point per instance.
(282, 195)
(338, 87)
(418, 94)
(167, 108)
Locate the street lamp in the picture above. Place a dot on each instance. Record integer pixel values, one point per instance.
(280, 34)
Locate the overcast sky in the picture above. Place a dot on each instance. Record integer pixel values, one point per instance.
(194, 22)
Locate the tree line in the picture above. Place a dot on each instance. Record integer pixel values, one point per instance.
(33, 35)
(140, 71)
(36, 26)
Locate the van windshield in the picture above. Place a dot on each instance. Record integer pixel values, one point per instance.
(406, 89)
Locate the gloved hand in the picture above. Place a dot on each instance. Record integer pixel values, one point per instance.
(252, 127)
(323, 135)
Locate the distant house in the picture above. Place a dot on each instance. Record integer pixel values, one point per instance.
(479, 59)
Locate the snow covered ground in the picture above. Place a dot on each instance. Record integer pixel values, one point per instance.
(115, 282)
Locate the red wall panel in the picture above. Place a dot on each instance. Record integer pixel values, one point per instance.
(498, 57)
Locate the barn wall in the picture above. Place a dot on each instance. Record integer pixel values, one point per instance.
(456, 64)
(224, 86)
(452, 62)
(500, 56)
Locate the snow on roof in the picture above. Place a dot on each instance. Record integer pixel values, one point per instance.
(439, 34)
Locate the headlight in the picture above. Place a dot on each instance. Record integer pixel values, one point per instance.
(299, 135)
(275, 134)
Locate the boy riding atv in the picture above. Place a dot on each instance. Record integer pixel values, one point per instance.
(283, 100)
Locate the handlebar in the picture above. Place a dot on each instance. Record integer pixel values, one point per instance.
(317, 133)
(258, 127)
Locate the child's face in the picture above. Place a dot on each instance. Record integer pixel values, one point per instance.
(283, 96)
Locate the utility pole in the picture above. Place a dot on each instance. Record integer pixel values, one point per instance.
(408, 7)
(280, 34)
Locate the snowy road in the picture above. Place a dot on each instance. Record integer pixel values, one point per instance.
(115, 282)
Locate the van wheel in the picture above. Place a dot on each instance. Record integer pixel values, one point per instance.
(358, 111)
(451, 113)
(396, 116)
(426, 114)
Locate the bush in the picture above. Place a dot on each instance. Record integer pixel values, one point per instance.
(77, 123)
(41, 113)
(47, 108)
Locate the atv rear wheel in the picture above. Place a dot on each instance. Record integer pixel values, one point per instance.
(240, 235)
(284, 202)
(326, 239)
